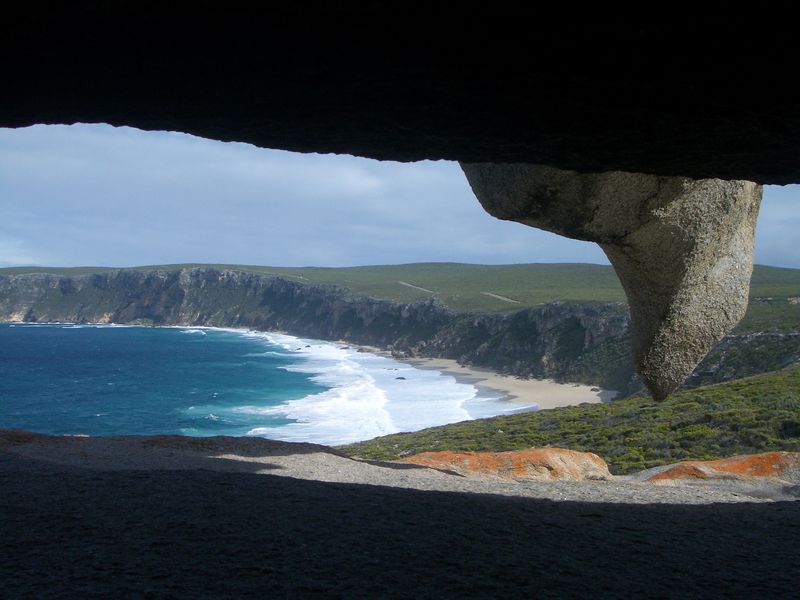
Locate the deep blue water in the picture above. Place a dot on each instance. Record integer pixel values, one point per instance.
(110, 380)
(138, 380)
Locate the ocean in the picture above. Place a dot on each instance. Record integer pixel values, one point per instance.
(126, 380)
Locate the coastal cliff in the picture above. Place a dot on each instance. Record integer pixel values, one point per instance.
(586, 343)
(556, 340)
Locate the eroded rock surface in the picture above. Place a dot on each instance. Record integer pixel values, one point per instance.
(539, 464)
(783, 466)
(682, 248)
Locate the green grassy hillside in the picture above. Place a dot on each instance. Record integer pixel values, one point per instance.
(750, 415)
(477, 287)
(460, 286)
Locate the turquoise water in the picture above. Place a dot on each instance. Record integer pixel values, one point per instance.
(137, 380)
(116, 380)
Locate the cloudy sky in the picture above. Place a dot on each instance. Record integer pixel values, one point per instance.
(98, 195)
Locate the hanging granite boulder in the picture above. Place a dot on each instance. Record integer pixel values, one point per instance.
(682, 249)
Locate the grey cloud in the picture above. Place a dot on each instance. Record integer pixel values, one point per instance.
(93, 194)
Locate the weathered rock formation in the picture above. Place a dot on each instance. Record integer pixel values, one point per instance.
(538, 464)
(682, 248)
(779, 466)
(773, 475)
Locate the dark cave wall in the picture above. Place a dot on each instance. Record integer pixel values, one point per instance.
(576, 89)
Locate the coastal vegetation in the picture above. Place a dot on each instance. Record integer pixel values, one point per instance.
(746, 416)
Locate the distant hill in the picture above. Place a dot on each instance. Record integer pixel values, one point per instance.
(459, 286)
(467, 286)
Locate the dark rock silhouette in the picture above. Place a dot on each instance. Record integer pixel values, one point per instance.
(590, 90)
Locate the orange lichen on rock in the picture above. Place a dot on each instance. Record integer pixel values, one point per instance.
(685, 470)
(543, 464)
(769, 464)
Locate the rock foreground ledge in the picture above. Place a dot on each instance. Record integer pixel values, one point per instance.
(250, 518)
(682, 249)
(546, 473)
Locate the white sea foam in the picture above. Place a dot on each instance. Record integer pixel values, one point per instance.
(268, 353)
(369, 395)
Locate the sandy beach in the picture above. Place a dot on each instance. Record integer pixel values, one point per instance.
(545, 393)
